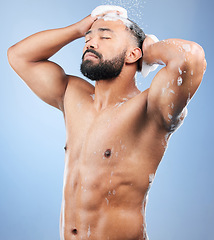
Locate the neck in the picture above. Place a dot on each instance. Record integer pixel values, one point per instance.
(109, 93)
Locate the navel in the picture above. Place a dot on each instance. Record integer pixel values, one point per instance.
(74, 231)
(107, 153)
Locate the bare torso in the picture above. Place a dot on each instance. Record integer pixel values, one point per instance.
(111, 158)
(114, 143)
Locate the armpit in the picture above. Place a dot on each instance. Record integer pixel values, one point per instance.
(176, 123)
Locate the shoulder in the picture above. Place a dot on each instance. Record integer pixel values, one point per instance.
(77, 85)
(77, 89)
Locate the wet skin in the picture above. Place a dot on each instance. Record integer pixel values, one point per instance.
(109, 157)
(115, 134)
(111, 149)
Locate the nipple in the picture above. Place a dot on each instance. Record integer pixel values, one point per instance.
(107, 153)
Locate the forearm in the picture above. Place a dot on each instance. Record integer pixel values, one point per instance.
(169, 50)
(43, 45)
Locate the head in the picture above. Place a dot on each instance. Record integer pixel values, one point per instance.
(139, 37)
(111, 45)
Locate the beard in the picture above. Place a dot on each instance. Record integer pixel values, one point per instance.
(104, 69)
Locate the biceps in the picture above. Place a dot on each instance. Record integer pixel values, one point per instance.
(46, 79)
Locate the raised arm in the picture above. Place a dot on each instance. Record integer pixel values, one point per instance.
(29, 59)
(175, 84)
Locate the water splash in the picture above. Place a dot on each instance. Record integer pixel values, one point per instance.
(135, 8)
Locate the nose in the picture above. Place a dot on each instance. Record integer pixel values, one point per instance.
(92, 44)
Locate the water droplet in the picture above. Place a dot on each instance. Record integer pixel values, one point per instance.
(179, 81)
(180, 71)
(89, 231)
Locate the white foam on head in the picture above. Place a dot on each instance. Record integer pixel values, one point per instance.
(111, 13)
(115, 17)
(115, 13)
(106, 8)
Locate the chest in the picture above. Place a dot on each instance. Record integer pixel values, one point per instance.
(99, 131)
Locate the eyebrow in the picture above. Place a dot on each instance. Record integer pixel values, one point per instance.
(101, 30)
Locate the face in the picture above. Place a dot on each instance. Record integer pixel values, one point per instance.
(104, 53)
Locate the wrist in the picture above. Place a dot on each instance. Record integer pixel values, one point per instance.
(84, 25)
(74, 31)
(148, 44)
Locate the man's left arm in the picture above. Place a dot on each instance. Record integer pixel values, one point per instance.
(175, 84)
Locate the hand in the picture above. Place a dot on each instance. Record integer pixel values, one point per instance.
(147, 43)
(85, 24)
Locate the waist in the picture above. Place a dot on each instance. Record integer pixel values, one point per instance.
(108, 223)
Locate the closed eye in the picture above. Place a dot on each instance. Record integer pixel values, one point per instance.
(105, 38)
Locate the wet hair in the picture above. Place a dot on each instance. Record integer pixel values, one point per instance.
(139, 37)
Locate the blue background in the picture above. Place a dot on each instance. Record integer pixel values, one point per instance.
(32, 133)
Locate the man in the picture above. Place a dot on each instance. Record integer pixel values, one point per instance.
(116, 135)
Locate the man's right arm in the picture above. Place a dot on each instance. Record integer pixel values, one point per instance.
(29, 59)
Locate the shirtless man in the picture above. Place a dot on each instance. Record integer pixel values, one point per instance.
(116, 135)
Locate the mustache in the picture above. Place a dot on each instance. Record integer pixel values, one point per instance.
(92, 51)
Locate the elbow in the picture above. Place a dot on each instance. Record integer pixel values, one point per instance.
(14, 59)
(193, 60)
(11, 56)
(197, 50)
(196, 64)
(197, 58)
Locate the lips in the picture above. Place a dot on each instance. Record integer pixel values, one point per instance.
(90, 55)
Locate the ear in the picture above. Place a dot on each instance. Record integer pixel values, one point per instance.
(133, 55)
